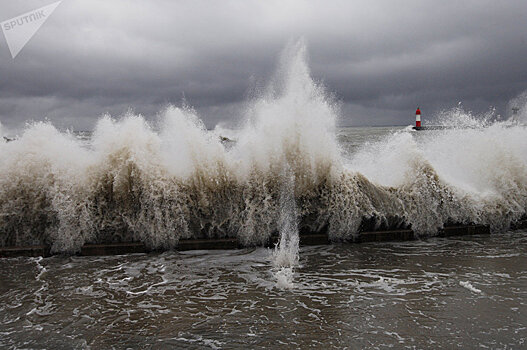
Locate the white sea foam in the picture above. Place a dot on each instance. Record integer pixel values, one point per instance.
(284, 278)
(469, 286)
(160, 182)
(517, 107)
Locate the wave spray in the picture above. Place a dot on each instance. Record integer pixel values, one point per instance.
(286, 173)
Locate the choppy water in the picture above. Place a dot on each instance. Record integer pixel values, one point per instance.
(459, 292)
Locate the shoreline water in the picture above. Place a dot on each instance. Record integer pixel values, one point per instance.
(453, 292)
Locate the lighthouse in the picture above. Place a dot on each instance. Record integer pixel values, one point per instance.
(427, 127)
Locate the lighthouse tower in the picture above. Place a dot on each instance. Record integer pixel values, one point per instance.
(418, 118)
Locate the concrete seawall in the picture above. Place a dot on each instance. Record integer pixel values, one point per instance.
(232, 243)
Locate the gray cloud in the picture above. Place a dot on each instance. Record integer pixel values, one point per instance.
(380, 58)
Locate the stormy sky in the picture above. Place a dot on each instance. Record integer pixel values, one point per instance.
(380, 59)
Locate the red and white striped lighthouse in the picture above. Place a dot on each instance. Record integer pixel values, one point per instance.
(418, 118)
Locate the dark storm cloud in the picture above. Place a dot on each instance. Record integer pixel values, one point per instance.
(380, 58)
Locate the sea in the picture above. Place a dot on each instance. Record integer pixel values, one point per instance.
(285, 168)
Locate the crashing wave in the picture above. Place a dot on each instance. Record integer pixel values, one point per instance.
(132, 182)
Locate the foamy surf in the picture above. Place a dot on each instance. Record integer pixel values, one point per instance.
(469, 286)
(134, 180)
